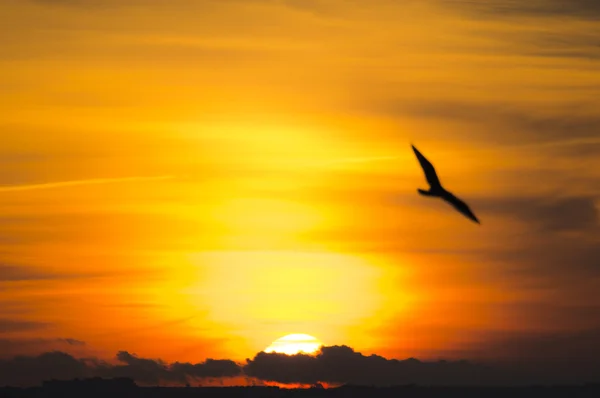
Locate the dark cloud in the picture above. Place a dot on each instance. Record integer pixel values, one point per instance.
(532, 356)
(341, 364)
(152, 371)
(559, 41)
(208, 368)
(11, 273)
(74, 342)
(535, 347)
(547, 214)
(584, 148)
(584, 9)
(35, 346)
(528, 124)
(148, 371)
(23, 272)
(567, 53)
(561, 243)
(538, 324)
(559, 248)
(31, 370)
(334, 364)
(559, 357)
(16, 325)
(15, 307)
(544, 217)
(561, 263)
(24, 370)
(583, 44)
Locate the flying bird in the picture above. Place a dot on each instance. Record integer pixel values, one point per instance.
(436, 189)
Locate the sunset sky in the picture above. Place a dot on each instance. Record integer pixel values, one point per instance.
(195, 179)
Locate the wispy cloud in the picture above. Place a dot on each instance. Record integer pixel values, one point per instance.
(589, 9)
(22, 272)
(92, 181)
(530, 123)
(16, 325)
(71, 341)
(10, 347)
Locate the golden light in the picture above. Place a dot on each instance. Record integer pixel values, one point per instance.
(294, 344)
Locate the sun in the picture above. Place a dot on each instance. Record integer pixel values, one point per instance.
(294, 344)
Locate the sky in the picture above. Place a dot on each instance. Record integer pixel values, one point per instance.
(192, 180)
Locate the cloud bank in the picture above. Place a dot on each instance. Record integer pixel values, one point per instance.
(32, 370)
(333, 365)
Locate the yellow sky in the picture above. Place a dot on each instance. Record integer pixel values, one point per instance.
(197, 179)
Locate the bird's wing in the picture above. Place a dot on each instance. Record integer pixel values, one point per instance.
(460, 206)
(428, 169)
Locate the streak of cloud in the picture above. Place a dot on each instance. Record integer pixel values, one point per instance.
(15, 325)
(354, 160)
(92, 181)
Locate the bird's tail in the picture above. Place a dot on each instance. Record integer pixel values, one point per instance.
(424, 192)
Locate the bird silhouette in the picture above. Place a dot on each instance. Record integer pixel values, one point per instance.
(437, 190)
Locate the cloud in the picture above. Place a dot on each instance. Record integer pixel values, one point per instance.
(528, 123)
(559, 357)
(341, 364)
(536, 347)
(16, 273)
(94, 181)
(15, 325)
(584, 9)
(24, 370)
(495, 336)
(338, 364)
(152, 371)
(27, 272)
(561, 263)
(575, 213)
(562, 237)
(70, 341)
(20, 273)
(556, 246)
(31, 370)
(32, 346)
(334, 364)
(147, 371)
(209, 368)
(572, 33)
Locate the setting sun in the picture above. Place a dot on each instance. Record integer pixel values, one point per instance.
(294, 344)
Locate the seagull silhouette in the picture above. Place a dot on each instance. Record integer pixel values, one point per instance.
(436, 189)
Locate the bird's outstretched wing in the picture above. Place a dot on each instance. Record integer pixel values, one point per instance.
(460, 206)
(428, 169)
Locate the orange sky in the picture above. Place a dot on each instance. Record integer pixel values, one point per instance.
(190, 181)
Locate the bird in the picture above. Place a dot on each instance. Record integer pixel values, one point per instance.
(437, 190)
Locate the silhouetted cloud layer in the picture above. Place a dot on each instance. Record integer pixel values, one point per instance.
(31, 370)
(341, 364)
(334, 365)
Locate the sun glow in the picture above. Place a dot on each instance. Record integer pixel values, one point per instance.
(294, 344)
